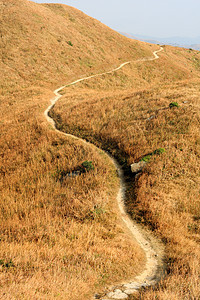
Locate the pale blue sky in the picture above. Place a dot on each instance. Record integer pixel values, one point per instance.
(159, 18)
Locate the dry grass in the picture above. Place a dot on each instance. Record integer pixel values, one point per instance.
(61, 237)
(166, 195)
(34, 45)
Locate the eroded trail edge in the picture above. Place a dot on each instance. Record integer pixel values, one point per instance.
(154, 267)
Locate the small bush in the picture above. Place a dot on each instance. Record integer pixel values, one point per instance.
(8, 264)
(159, 151)
(59, 174)
(147, 158)
(70, 43)
(173, 104)
(87, 166)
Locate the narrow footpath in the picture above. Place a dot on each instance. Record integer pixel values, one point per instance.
(154, 268)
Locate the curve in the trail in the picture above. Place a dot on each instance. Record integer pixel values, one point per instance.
(154, 255)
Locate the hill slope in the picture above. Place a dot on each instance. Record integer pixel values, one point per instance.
(61, 236)
(41, 42)
(130, 113)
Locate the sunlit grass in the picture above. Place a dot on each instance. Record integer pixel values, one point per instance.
(166, 197)
(60, 235)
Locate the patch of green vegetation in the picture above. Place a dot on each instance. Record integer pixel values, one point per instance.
(159, 151)
(87, 166)
(173, 104)
(70, 43)
(6, 264)
(148, 157)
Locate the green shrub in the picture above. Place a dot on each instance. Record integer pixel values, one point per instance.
(70, 43)
(159, 151)
(173, 104)
(147, 158)
(8, 264)
(87, 166)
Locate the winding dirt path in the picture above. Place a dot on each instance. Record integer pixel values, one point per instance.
(154, 268)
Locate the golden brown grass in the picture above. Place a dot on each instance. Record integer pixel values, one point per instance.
(166, 195)
(63, 238)
(35, 48)
(59, 238)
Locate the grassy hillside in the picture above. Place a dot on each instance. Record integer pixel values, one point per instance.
(61, 236)
(129, 114)
(40, 43)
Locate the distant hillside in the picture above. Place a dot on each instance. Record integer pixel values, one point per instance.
(196, 46)
(141, 38)
(193, 43)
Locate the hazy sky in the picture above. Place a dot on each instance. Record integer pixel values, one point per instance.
(159, 18)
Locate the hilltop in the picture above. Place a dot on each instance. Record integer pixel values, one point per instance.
(41, 42)
(61, 235)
